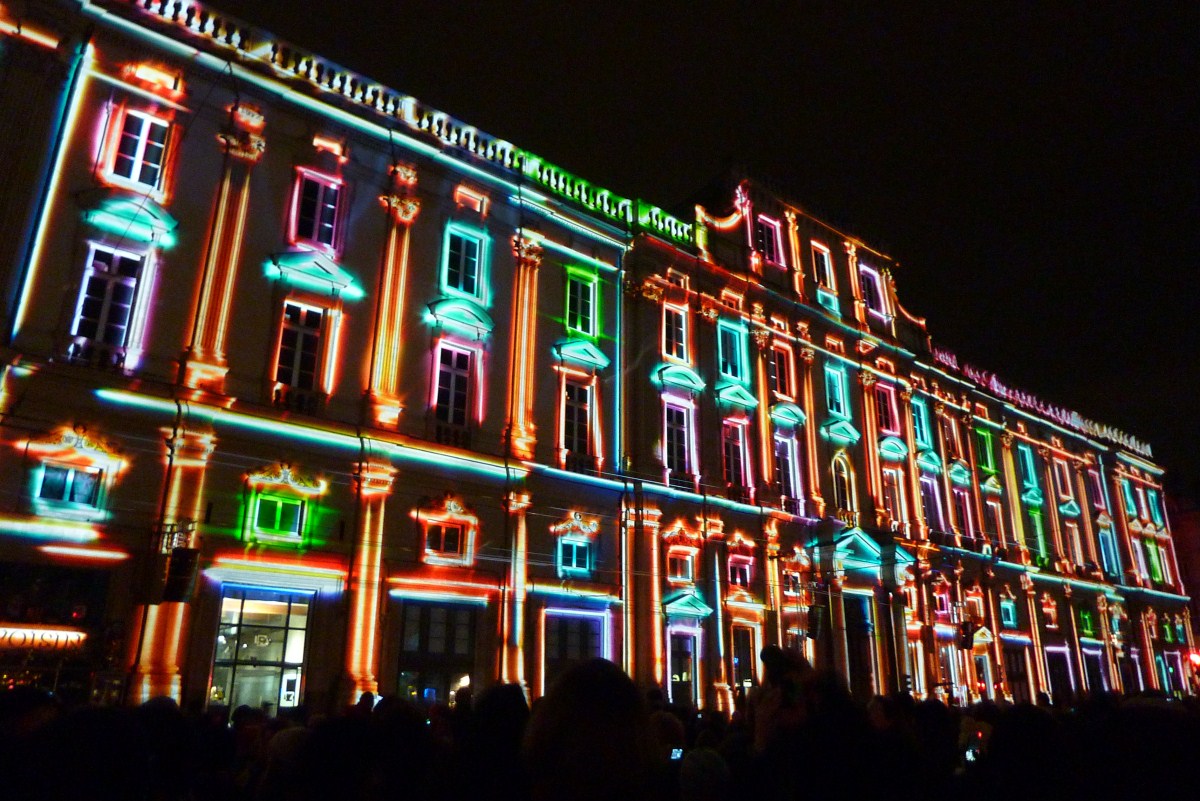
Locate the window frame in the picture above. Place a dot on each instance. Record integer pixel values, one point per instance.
(922, 433)
(312, 238)
(740, 567)
(823, 272)
(575, 320)
(735, 465)
(92, 504)
(468, 376)
(566, 418)
(138, 160)
(781, 357)
(278, 533)
(680, 352)
(768, 229)
(685, 556)
(575, 545)
(686, 432)
(732, 358)
(135, 318)
(869, 276)
(887, 412)
(482, 243)
(835, 390)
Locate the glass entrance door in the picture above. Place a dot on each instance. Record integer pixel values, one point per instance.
(259, 655)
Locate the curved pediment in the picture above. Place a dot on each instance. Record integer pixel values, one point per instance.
(893, 449)
(929, 461)
(959, 473)
(840, 431)
(788, 414)
(677, 375)
(314, 270)
(582, 352)
(139, 219)
(462, 314)
(737, 395)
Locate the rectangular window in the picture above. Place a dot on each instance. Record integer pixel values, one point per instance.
(300, 346)
(823, 267)
(1028, 469)
(1152, 553)
(464, 261)
(872, 289)
(779, 372)
(1008, 613)
(1164, 558)
(575, 555)
(570, 639)
(984, 452)
(444, 539)
(259, 653)
(1096, 488)
(141, 149)
(1108, 551)
(739, 572)
(106, 299)
(280, 517)
(1152, 501)
(885, 409)
(577, 416)
(681, 566)
(77, 485)
(733, 448)
(893, 494)
(920, 418)
(962, 511)
(1139, 556)
(1038, 528)
(1131, 508)
(1062, 480)
(581, 298)
(437, 651)
(769, 239)
(674, 343)
(731, 345)
(453, 386)
(315, 218)
(1074, 542)
(994, 520)
(950, 434)
(743, 656)
(931, 503)
(787, 474)
(835, 391)
(677, 440)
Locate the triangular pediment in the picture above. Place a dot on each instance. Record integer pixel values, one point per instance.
(840, 431)
(686, 604)
(139, 219)
(983, 636)
(737, 395)
(1103, 520)
(315, 270)
(991, 485)
(462, 314)
(677, 375)
(1069, 508)
(855, 546)
(788, 414)
(893, 449)
(580, 351)
(1032, 496)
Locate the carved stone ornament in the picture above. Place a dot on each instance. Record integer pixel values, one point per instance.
(761, 337)
(243, 145)
(405, 174)
(939, 409)
(1006, 439)
(906, 394)
(527, 250)
(709, 310)
(807, 355)
(404, 208)
(867, 379)
(651, 290)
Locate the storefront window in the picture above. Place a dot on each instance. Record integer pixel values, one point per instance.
(260, 649)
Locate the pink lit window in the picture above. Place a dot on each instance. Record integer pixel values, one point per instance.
(885, 409)
(315, 206)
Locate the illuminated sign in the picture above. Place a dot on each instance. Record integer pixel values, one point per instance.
(42, 638)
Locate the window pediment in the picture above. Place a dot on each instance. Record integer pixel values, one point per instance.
(893, 449)
(840, 431)
(314, 270)
(140, 219)
(790, 414)
(677, 375)
(580, 351)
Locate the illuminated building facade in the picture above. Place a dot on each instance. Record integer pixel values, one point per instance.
(310, 389)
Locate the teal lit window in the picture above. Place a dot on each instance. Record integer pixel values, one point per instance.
(1028, 468)
(1108, 551)
(835, 392)
(574, 556)
(275, 516)
(920, 416)
(1155, 507)
(731, 350)
(1008, 613)
(464, 261)
(75, 485)
(581, 302)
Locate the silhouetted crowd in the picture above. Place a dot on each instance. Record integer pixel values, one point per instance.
(595, 735)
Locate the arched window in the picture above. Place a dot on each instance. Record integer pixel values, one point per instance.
(843, 487)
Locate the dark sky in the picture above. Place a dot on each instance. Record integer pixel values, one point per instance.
(1032, 166)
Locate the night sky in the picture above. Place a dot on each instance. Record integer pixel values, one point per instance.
(1033, 167)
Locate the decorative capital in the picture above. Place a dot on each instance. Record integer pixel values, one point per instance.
(939, 408)
(404, 174)
(650, 290)
(867, 379)
(527, 251)
(761, 337)
(709, 310)
(807, 355)
(243, 145)
(790, 216)
(906, 394)
(403, 208)
(1006, 439)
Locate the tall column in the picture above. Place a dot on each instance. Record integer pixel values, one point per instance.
(837, 624)
(385, 392)
(1041, 680)
(204, 363)
(870, 425)
(521, 436)
(918, 519)
(513, 647)
(165, 625)
(1012, 494)
(374, 480)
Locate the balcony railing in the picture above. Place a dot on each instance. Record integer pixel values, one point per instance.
(96, 354)
(295, 399)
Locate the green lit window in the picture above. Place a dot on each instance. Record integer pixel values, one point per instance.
(920, 416)
(984, 452)
(581, 303)
(464, 261)
(279, 517)
(1152, 554)
(1039, 530)
(731, 347)
(1008, 613)
(835, 391)
(1087, 623)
